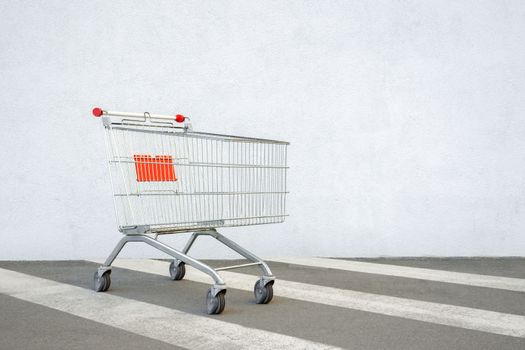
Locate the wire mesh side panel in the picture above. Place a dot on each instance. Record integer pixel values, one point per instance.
(173, 180)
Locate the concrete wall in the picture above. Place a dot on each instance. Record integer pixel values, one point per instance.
(406, 118)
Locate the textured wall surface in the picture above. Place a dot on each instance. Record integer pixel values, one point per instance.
(406, 118)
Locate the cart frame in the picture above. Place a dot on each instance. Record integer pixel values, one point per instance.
(263, 289)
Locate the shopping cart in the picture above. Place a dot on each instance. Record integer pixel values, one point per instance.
(169, 179)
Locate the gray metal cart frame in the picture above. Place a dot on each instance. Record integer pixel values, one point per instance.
(168, 179)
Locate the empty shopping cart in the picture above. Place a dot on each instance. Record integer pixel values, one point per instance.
(168, 179)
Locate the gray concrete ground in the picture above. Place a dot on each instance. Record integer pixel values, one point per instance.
(508, 267)
(24, 325)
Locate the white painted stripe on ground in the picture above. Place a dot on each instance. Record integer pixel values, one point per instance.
(449, 315)
(470, 279)
(153, 321)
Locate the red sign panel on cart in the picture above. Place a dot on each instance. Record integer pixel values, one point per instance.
(158, 168)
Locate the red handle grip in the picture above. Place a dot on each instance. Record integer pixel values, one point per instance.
(97, 111)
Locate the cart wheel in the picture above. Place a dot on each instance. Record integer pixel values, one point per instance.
(215, 304)
(108, 281)
(263, 294)
(102, 283)
(177, 271)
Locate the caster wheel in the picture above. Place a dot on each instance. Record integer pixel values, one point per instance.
(215, 304)
(263, 294)
(102, 283)
(177, 271)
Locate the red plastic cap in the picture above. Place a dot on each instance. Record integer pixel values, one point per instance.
(97, 111)
(179, 118)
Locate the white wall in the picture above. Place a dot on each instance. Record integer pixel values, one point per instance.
(406, 118)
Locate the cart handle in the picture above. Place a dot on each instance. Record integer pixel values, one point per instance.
(97, 112)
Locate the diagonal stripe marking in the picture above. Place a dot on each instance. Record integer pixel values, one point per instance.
(149, 320)
(444, 314)
(469, 279)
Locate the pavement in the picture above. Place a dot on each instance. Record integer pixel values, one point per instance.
(319, 303)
